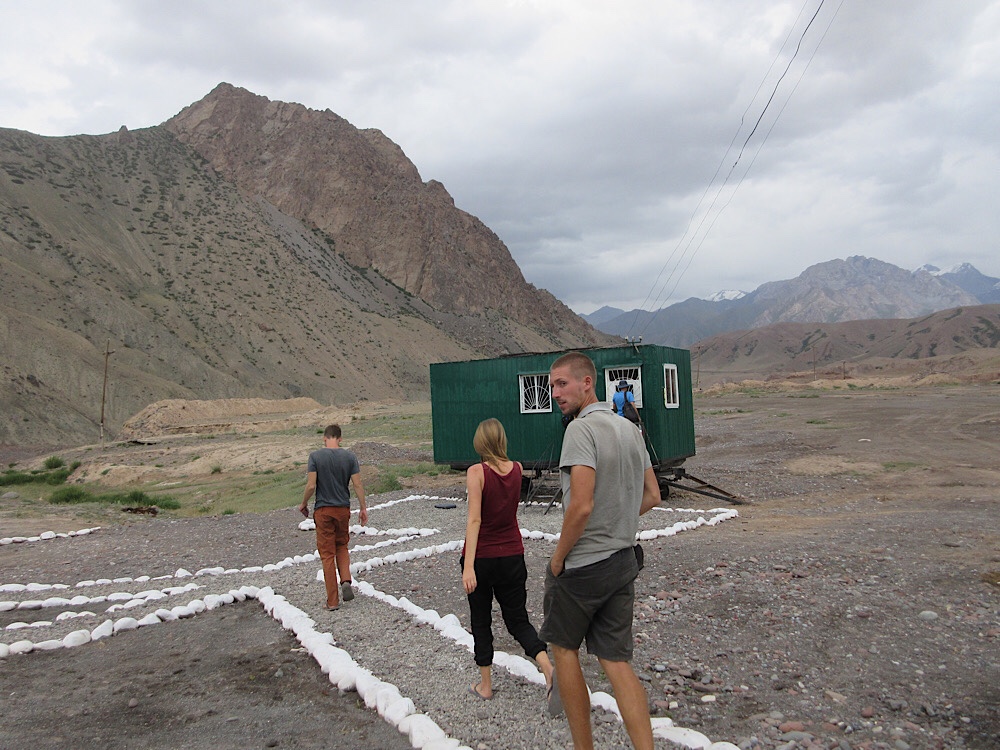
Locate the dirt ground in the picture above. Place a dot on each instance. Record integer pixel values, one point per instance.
(853, 604)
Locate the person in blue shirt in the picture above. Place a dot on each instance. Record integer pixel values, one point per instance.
(621, 393)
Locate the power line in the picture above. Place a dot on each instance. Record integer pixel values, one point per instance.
(691, 237)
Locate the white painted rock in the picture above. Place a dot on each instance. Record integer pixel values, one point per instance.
(421, 729)
(4, 650)
(683, 736)
(30, 604)
(197, 606)
(105, 629)
(50, 645)
(7, 606)
(150, 619)
(448, 743)
(396, 711)
(47, 535)
(76, 638)
(21, 647)
(182, 612)
(120, 596)
(385, 696)
(181, 573)
(165, 615)
(125, 623)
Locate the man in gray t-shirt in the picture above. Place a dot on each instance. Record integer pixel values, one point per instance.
(330, 473)
(608, 482)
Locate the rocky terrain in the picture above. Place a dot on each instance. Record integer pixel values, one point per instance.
(189, 279)
(852, 604)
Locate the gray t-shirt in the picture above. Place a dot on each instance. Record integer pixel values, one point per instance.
(615, 449)
(334, 468)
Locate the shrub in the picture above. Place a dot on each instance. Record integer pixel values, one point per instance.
(56, 477)
(34, 477)
(216, 469)
(73, 494)
(54, 462)
(15, 477)
(66, 495)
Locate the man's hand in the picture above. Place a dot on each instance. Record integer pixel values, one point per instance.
(304, 508)
(556, 566)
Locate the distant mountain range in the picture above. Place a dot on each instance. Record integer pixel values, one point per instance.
(857, 288)
(961, 343)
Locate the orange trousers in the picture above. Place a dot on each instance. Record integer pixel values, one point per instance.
(332, 536)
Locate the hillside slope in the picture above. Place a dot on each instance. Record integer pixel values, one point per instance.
(358, 187)
(132, 241)
(964, 341)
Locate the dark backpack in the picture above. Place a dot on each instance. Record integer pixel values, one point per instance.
(628, 409)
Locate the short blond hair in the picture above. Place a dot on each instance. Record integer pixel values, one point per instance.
(490, 441)
(578, 363)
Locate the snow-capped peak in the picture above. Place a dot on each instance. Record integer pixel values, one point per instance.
(726, 294)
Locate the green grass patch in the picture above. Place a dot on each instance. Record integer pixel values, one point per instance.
(900, 465)
(53, 477)
(817, 421)
(75, 494)
(390, 474)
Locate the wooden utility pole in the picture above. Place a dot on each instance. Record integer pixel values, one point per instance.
(104, 390)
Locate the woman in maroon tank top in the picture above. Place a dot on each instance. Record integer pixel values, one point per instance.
(493, 556)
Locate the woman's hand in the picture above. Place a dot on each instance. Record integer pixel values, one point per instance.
(469, 580)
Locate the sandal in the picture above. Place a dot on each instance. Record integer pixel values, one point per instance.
(472, 689)
(553, 698)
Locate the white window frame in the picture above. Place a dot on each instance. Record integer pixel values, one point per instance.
(536, 384)
(630, 373)
(671, 387)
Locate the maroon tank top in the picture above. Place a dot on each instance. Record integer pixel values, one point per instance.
(499, 534)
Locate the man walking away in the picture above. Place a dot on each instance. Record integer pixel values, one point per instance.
(331, 471)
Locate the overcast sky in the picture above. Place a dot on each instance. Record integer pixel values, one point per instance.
(603, 142)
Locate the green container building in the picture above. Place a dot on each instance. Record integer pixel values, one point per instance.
(515, 390)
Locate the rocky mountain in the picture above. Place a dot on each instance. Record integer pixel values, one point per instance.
(857, 288)
(964, 342)
(246, 248)
(966, 276)
(602, 315)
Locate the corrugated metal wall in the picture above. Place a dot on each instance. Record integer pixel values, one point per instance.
(465, 393)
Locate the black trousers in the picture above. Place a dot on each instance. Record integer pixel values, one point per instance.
(505, 579)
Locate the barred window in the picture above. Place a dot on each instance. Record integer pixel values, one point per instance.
(535, 395)
(613, 375)
(671, 390)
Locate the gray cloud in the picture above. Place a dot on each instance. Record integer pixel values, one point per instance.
(585, 134)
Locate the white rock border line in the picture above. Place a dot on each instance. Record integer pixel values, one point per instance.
(46, 536)
(422, 731)
(450, 626)
(404, 535)
(336, 663)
